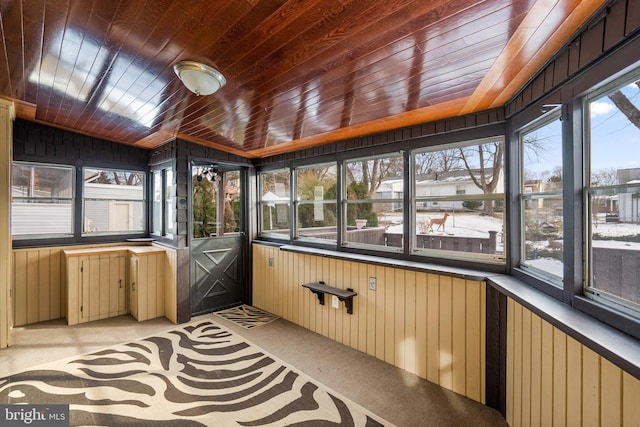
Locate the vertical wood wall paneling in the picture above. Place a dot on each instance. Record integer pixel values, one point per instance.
(445, 345)
(20, 288)
(56, 294)
(142, 286)
(546, 374)
(33, 259)
(39, 279)
(421, 349)
(409, 344)
(170, 283)
(559, 377)
(7, 115)
(630, 400)
(553, 380)
(387, 318)
(73, 275)
(428, 324)
(433, 350)
(44, 292)
(105, 286)
(611, 393)
(458, 335)
(37, 285)
(574, 382)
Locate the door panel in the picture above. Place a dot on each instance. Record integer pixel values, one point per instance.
(216, 264)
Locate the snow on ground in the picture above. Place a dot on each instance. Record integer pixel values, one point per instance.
(549, 265)
(457, 224)
(468, 224)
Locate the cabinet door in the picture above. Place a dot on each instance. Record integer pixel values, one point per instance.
(102, 288)
(117, 285)
(133, 286)
(90, 288)
(73, 283)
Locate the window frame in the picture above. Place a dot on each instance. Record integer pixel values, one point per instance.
(345, 202)
(144, 203)
(72, 202)
(269, 234)
(295, 236)
(623, 315)
(441, 254)
(167, 201)
(548, 117)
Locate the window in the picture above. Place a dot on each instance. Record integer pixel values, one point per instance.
(613, 194)
(541, 199)
(274, 202)
(113, 201)
(316, 207)
(163, 221)
(458, 200)
(216, 202)
(373, 201)
(42, 200)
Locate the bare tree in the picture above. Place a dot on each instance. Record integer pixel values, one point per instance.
(119, 178)
(437, 161)
(374, 171)
(448, 160)
(486, 174)
(626, 107)
(606, 176)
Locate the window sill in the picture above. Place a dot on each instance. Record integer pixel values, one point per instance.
(616, 346)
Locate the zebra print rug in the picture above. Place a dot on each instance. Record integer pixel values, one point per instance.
(197, 375)
(247, 316)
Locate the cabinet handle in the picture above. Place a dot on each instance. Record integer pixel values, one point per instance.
(133, 286)
(120, 283)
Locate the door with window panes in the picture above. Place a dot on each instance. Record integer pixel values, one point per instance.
(217, 238)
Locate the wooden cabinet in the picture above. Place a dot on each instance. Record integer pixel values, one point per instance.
(147, 274)
(111, 281)
(97, 287)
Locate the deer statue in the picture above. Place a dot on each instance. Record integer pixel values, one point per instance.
(437, 221)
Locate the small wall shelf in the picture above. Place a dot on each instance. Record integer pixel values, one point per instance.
(320, 288)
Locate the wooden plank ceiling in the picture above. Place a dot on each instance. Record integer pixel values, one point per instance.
(299, 72)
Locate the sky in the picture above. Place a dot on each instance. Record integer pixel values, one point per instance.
(615, 140)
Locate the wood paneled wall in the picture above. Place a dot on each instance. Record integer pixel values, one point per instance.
(553, 380)
(38, 284)
(170, 283)
(429, 325)
(7, 114)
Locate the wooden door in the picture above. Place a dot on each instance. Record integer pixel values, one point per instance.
(217, 239)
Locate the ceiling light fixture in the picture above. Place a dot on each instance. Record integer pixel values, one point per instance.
(199, 78)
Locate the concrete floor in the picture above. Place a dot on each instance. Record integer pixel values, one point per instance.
(391, 393)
